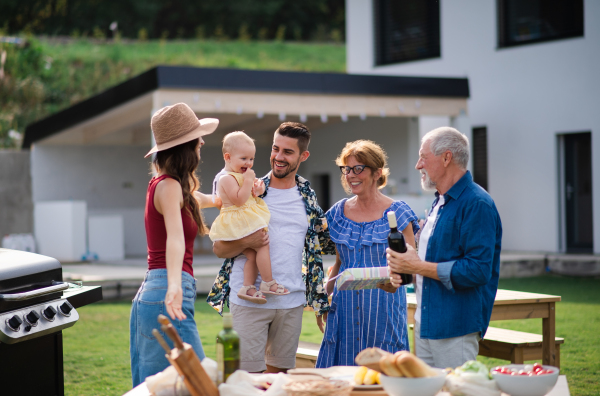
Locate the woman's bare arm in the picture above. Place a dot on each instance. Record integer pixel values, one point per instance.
(169, 199)
(206, 201)
(409, 236)
(334, 272)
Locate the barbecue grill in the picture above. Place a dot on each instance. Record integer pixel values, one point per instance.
(35, 306)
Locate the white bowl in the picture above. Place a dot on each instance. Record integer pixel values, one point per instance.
(521, 385)
(400, 386)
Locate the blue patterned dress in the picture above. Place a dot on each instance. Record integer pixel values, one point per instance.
(364, 318)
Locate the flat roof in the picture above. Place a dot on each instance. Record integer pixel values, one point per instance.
(179, 77)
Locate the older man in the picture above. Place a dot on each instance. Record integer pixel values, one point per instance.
(458, 261)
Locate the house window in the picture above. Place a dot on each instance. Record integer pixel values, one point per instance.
(532, 21)
(406, 30)
(480, 160)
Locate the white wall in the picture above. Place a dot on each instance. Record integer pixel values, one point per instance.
(60, 229)
(525, 95)
(328, 141)
(111, 179)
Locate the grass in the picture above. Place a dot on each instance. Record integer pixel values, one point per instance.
(264, 55)
(78, 69)
(96, 349)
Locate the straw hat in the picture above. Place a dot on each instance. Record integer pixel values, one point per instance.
(178, 124)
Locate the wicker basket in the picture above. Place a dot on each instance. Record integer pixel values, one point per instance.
(318, 388)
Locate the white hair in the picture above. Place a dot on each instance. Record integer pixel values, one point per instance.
(449, 139)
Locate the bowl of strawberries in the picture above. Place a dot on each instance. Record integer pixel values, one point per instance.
(525, 379)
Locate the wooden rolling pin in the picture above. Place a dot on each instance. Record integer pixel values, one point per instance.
(186, 362)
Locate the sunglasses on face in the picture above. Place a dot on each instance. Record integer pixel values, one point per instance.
(357, 169)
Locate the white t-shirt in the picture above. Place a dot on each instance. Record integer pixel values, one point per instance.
(287, 231)
(423, 241)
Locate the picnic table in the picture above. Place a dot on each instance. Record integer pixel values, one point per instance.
(511, 304)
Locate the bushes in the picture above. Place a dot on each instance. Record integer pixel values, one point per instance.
(21, 90)
(316, 20)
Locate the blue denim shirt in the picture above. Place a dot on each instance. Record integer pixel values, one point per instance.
(465, 242)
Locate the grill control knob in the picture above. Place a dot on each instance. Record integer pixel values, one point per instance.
(14, 323)
(49, 313)
(65, 308)
(32, 318)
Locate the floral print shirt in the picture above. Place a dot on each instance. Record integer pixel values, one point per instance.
(316, 243)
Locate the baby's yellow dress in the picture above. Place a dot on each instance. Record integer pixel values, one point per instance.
(236, 222)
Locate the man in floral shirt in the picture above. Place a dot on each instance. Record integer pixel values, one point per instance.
(297, 237)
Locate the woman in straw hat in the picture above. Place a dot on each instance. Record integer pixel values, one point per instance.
(172, 219)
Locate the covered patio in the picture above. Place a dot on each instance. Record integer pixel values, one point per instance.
(93, 151)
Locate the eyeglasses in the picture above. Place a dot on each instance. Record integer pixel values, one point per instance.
(357, 169)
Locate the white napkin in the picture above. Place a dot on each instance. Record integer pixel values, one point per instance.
(169, 383)
(241, 383)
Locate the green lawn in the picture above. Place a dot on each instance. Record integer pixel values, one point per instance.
(96, 350)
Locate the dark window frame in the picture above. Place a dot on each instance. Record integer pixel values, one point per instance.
(503, 28)
(479, 136)
(379, 41)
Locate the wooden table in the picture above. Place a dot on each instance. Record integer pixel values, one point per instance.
(518, 305)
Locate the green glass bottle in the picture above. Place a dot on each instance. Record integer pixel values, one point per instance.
(228, 350)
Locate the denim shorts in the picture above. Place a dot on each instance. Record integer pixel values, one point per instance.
(147, 356)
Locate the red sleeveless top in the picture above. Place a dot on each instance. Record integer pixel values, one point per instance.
(156, 232)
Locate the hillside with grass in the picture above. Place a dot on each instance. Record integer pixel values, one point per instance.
(45, 75)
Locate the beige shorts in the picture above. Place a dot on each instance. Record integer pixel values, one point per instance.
(448, 352)
(267, 336)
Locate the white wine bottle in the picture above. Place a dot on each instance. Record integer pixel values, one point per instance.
(228, 350)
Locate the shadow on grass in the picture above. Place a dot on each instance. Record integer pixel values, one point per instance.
(571, 289)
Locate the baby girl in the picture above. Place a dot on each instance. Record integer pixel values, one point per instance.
(243, 213)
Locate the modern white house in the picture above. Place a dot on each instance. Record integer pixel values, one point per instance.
(88, 170)
(534, 104)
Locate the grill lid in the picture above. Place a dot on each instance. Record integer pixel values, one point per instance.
(18, 264)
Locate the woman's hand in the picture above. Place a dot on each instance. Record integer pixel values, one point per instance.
(174, 302)
(321, 321)
(218, 202)
(388, 287)
(208, 201)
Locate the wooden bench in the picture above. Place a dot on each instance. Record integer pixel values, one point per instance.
(512, 345)
(306, 355)
(516, 346)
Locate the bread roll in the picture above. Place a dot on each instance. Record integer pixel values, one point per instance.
(370, 358)
(411, 366)
(399, 358)
(388, 365)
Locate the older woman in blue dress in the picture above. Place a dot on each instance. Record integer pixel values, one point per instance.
(360, 319)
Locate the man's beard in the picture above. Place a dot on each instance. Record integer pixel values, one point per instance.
(281, 173)
(427, 184)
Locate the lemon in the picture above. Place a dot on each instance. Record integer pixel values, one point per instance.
(370, 377)
(359, 376)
